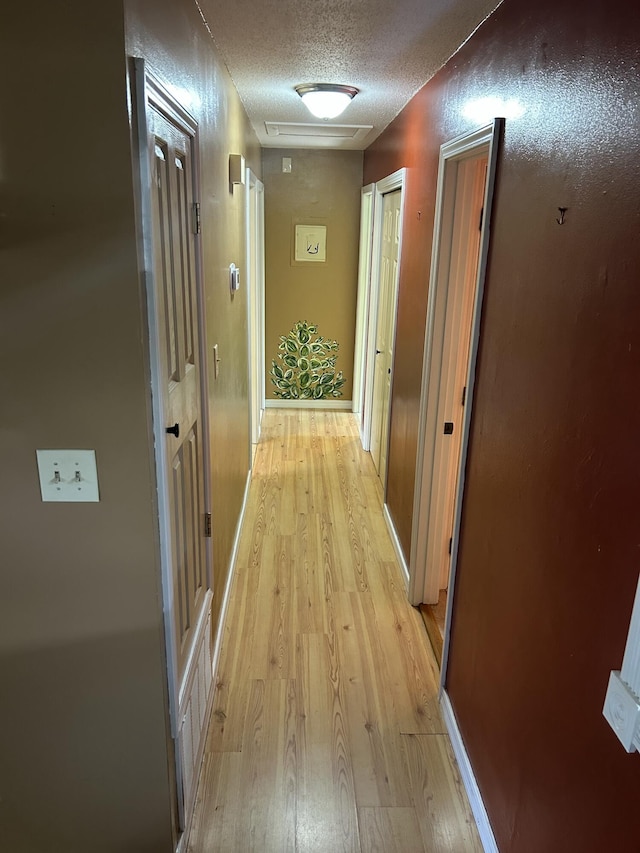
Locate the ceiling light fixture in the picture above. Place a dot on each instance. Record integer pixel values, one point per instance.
(326, 100)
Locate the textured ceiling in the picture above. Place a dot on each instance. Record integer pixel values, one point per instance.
(386, 48)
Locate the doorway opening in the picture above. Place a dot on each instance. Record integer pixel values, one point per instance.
(380, 254)
(255, 305)
(466, 179)
(362, 307)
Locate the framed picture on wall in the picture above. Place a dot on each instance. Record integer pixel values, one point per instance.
(311, 243)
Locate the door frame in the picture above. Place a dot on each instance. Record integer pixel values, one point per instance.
(255, 305)
(149, 91)
(462, 146)
(394, 181)
(367, 200)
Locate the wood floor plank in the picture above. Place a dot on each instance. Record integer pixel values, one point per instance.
(303, 493)
(311, 612)
(217, 815)
(413, 674)
(252, 794)
(268, 769)
(273, 636)
(380, 767)
(230, 696)
(390, 831)
(326, 812)
(287, 497)
(443, 811)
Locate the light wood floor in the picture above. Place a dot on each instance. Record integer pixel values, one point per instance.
(434, 618)
(326, 734)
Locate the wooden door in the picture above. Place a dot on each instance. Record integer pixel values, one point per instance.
(385, 326)
(172, 181)
(460, 300)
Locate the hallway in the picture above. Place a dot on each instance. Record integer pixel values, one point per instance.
(326, 734)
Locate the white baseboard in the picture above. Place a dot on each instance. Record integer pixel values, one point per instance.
(396, 544)
(227, 590)
(337, 405)
(468, 777)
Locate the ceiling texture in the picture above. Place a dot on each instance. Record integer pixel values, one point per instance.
(388, 49)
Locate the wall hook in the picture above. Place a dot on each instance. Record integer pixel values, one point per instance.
(562, 211)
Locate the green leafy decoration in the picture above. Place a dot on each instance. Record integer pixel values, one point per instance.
(305, 367)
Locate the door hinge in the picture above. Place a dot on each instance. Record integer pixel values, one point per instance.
(481, 218)
(207, 525)
(450, 544)
(196, 217)
(464, 395)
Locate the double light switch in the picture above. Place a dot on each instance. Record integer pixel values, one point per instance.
(68, 475)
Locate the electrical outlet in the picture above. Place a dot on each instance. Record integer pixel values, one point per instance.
(68, 476)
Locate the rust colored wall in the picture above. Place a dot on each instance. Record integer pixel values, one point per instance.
(323, 186)
(548, 558)
(409, 142)
(84, 753)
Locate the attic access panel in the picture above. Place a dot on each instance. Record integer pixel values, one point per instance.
(321, 130)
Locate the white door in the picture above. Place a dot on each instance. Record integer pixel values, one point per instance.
(385, 326)
(176, 298)
(167, 167)
(460, 298)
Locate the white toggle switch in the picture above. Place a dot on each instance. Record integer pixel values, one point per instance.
(234, 277)
(68, 475)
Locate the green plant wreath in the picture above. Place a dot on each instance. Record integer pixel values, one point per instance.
(304, 368)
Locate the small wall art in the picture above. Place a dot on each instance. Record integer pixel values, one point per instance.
(311, 243)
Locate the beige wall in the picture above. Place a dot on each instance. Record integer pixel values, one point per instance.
(323, 187)
(178, 49)
(83, 724)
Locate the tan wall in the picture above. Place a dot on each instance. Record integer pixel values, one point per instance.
(178, 49)
(323, 187)
(83, 724)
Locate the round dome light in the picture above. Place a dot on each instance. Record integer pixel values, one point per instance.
(326, 100)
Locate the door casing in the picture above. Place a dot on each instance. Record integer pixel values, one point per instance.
(385, 331)
(255, 303)
(454, 303)
(395, 181)
(362, 307)
(488, 138)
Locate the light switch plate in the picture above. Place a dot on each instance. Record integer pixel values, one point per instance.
(68, 476)
(622, 711)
